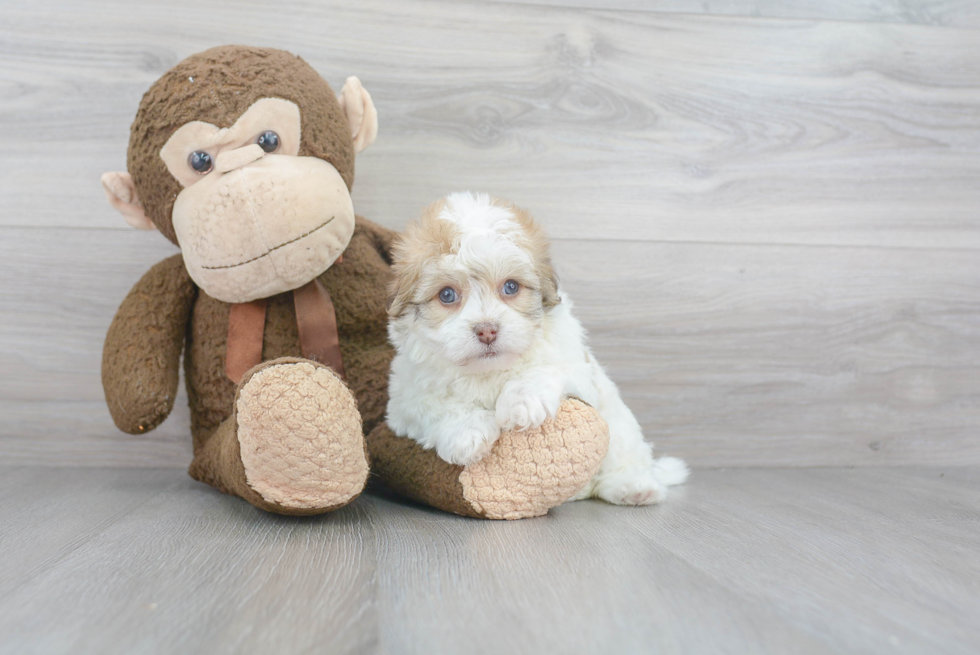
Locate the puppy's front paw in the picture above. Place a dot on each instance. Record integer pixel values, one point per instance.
(631, 487)
(469, 442)
(521, 407)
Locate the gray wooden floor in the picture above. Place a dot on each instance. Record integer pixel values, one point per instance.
(117, 560)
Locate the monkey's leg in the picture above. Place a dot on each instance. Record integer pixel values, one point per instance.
(526, 473)
(294, 443)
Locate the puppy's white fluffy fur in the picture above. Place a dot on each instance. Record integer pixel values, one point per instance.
(452, 391)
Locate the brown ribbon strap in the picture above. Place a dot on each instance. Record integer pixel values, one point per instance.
(246, 326)
(317, 322)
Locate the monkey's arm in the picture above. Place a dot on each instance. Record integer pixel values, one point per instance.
(141, 357)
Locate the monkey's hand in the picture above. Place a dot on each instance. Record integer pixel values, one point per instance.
(141, 358)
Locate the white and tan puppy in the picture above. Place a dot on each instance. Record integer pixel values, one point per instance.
(486, 341)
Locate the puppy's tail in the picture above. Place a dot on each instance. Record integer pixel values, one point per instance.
(670, 471)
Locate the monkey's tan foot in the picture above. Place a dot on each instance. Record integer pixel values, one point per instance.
(300, 436)
(526, 473)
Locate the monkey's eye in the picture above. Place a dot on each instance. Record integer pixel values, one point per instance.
(201, 162)
(268, 141)
(447, 296)
(511, 287)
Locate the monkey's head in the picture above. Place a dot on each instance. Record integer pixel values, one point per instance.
(244, 158)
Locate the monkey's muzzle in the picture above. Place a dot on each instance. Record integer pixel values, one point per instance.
(252, 230)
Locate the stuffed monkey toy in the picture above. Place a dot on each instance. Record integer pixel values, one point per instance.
(244, 158)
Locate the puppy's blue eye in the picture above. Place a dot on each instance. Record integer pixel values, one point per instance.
(511, 287)
(447, 296)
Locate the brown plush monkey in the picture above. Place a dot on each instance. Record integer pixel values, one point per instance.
(245, 159)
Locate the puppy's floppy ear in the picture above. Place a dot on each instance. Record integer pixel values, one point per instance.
(407, 270)
(549, 285)
(540, 251)
(398, 297)
(423, 240)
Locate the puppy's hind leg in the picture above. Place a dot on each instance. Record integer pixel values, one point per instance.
(629, 474)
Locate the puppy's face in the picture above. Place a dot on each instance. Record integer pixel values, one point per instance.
(473, 280)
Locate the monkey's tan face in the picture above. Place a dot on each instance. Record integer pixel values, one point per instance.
(255, 219)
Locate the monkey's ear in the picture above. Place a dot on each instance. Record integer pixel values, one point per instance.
(357, 105)
(121, 193)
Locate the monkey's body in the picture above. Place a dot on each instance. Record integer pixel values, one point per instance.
(167, 303)
(357, 288)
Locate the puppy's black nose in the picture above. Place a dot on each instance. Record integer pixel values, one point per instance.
(486, 332)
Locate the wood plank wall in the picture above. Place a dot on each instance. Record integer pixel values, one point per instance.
(768, 214)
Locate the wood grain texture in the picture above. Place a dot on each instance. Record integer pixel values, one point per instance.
(769, 226)
(953, 13)
(753, 560)
(195, 571)
(50, 512)
(790, 355)
(610, 124)
(730, 355)
(769, 563)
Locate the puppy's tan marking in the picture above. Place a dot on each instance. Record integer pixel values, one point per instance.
(535, 242)
(422, 243)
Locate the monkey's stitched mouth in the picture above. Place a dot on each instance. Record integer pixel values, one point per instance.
(281, 245)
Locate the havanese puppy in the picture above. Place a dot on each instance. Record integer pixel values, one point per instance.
(486, 341)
